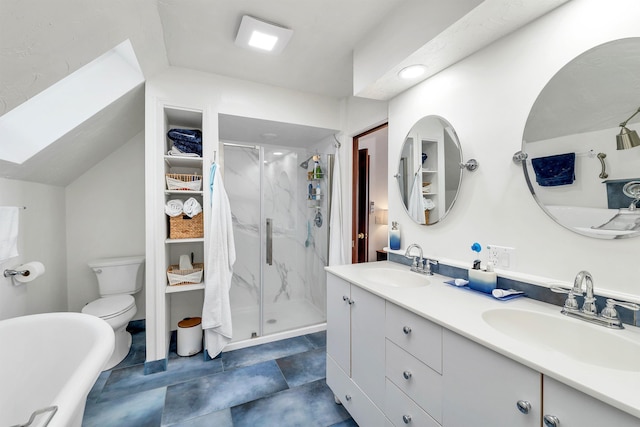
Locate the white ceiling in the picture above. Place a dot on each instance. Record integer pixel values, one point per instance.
(42, 42)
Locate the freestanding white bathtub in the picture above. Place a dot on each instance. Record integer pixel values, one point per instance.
(50, 360)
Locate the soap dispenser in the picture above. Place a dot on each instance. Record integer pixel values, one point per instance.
(394, 236)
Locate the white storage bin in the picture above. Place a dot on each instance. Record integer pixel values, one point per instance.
(189, 336)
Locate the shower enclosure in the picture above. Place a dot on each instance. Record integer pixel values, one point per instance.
(281, 235)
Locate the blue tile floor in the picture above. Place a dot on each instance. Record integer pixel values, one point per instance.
(275, 384)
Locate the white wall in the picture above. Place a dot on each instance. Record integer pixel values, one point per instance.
(41, 238)
(487, 98)
(105, 218)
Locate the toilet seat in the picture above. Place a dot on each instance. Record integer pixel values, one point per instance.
(110, 307)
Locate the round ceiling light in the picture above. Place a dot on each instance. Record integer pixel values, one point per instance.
(412, 71)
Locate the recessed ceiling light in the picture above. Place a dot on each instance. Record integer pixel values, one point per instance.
(264, 36)
(412, 71)
(268, 135)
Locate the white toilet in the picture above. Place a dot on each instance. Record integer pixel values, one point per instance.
(118, 279)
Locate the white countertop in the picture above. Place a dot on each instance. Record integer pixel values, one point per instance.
(460, 310)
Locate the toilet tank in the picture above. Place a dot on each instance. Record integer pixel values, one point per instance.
(118, 275)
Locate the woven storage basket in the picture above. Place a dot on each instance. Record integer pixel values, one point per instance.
(181, 181)
(183, 227)
(426, 216)
(185, 277)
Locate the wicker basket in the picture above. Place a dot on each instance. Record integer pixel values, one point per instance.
(185, 277)
(186, 182)
(183, 227)
(426, 216)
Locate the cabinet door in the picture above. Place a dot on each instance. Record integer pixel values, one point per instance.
(339, 322)
(367, 343)
(482, 387)
(573, 408)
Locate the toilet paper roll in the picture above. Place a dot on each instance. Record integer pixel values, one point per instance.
(33, 270)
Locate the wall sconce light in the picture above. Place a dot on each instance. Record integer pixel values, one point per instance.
(627, 138)
(382, 217)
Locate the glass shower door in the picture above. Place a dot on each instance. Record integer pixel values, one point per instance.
(281, 246)
(242, 171)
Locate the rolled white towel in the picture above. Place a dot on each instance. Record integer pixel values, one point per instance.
(191, 207)
(174, 207)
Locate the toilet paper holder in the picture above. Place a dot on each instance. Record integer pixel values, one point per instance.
(11, 273)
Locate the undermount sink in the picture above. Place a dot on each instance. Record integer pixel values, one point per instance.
(573, 338)
(395, 278)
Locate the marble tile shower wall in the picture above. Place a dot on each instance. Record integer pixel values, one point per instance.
(299, 247)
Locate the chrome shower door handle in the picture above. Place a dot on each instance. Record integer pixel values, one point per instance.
(270, 241)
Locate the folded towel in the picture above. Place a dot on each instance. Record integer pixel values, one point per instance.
(174, 207)
(185, 135)
(555, 170)
(8, 232)
(189, 147)
(175, 151)
(428, 204)
(191, 207)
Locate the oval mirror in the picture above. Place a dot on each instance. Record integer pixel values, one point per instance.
(575, 142)
(429, 171)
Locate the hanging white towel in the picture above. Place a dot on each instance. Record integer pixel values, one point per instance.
(336, 244)
(191, 207)
(416, 210)
(221, 255)
(8, 232)
(174, 207)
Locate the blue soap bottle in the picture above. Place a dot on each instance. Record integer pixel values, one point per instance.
(394, 236)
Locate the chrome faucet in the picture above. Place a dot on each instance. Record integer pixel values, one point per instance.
(589, 312)
(417, 261)
(589, 305)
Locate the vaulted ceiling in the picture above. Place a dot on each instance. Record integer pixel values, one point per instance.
(42, 42)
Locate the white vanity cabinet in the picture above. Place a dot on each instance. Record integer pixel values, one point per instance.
(572, 408)
(356, 350)
(484, 388)
(413, 369)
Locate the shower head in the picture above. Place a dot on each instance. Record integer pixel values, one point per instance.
(305, 164)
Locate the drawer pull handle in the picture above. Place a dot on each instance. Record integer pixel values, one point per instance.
(406, 375)
(406, 419)
(523, 406)
(551, 421)
(406, 330)
(347, 397)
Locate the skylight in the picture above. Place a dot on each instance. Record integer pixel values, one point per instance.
(43, 119)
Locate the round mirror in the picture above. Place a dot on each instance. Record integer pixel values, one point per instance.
(579, 146)
(429, 171)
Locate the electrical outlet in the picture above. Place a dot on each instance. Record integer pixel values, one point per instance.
(502, 257)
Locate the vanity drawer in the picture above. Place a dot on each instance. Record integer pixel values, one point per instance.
(417, 380)
(402, 411)
(415, 334)
(361, 408)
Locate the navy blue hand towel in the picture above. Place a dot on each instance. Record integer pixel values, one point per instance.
(555, 170)
(185, 135)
